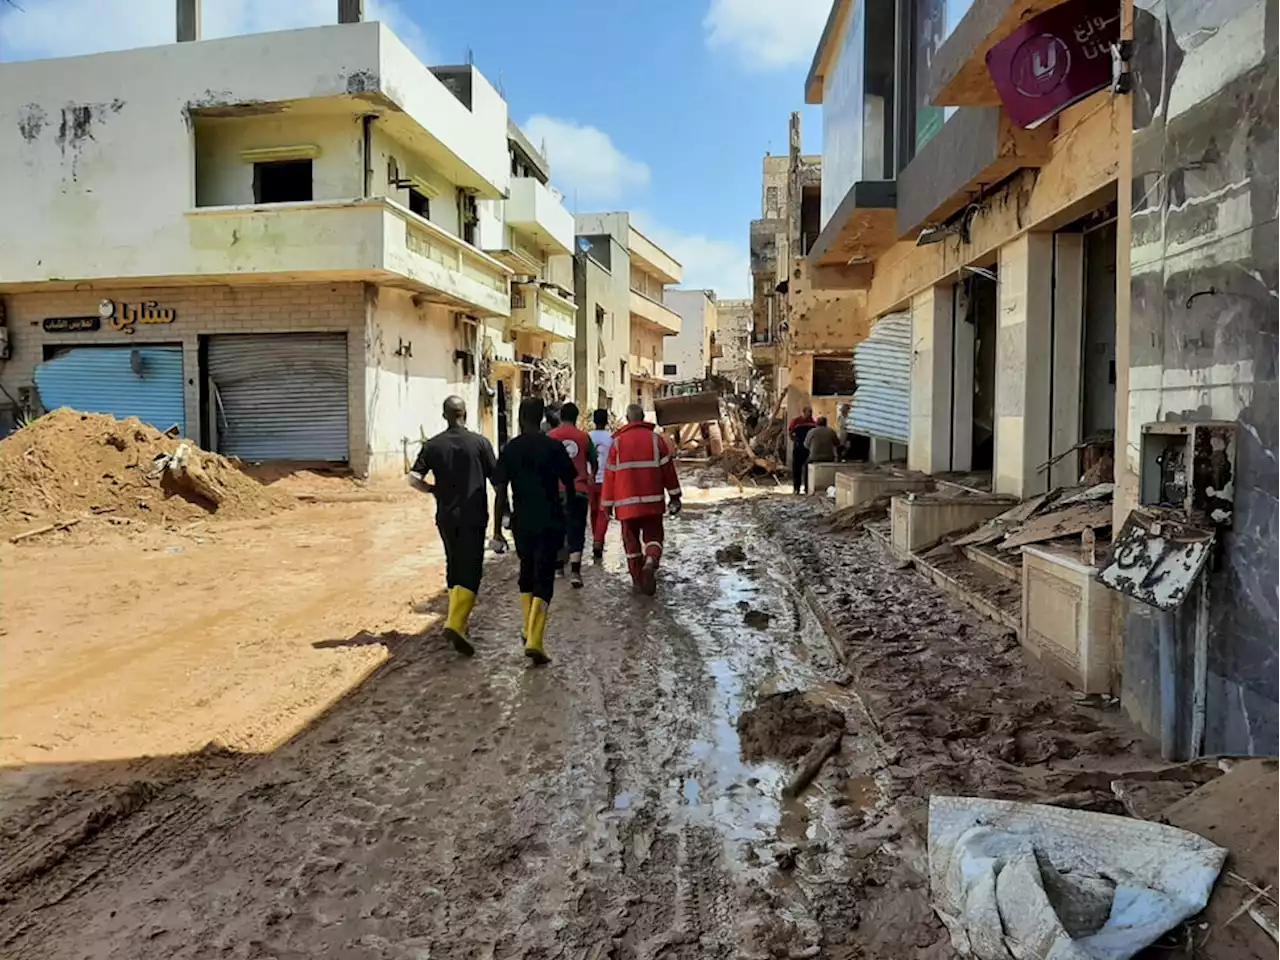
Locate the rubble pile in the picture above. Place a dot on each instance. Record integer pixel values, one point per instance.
(1075, 517)
(68, 465)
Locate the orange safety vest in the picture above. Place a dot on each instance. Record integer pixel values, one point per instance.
(640, 473)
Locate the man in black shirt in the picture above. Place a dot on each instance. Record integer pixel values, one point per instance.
(534, 466)
(461, 462)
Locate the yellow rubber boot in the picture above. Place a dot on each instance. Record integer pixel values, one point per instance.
(461, 603)
(526, 607)
(533, 645)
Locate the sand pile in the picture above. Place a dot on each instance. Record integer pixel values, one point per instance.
(69, 464)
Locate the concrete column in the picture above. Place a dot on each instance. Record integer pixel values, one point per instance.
(188, 21)
(350, 11)
(964, 338)
(932, 322)
(1068, 336)
(1023, 364)
(881, 450)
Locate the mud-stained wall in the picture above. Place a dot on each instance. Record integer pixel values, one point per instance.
(823, 320)
(411, 368)
(1203, 330)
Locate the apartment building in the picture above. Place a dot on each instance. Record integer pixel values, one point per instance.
(803, 335)
(688, 355)
(532, 233)
(1062, 216)
(620, 280)
(277, 242)
(732, 356)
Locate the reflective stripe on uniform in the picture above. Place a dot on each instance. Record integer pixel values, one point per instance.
(652, 498)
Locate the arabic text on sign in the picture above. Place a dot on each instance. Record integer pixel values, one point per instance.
(126, 316)
(70, 324)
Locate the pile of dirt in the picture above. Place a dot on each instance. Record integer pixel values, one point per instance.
(784, 726)
(68, 465)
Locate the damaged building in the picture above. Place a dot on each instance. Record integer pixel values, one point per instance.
(291, 246)
(1056, 227)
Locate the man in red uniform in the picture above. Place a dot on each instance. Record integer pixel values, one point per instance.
(577, 500)
(638, 478)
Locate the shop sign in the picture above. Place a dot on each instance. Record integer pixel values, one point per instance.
(1055, 60)
(71, 324)
(125, 317)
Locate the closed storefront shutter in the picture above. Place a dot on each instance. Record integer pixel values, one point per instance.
(280, 396)
(882, 405)
(142, 382)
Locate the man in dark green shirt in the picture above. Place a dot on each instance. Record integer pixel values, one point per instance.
(533, 467)
(460, 462)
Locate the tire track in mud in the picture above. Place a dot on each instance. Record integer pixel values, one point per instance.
(452, 809)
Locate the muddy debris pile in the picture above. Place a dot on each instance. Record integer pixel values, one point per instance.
(67, 466)
(734, 553)
(785, 726)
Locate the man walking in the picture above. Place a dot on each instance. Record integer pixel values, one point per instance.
(639, 476)
(822, 443)
(799, 429)
(601, 440)
(534, 467)
(577, 495)
(460, 462)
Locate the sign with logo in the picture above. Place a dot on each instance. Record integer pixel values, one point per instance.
(125, 317)
(1055, 59)
(71, 324)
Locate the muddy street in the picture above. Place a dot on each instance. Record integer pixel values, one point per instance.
(453, 808)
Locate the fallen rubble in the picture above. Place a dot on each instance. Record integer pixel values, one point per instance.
(67, 466)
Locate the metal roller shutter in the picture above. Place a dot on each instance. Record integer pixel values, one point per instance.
(882, 405)
(280, 396)
(142, 382)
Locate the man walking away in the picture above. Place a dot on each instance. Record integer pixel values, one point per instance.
(533, 467)
(822, 443)
(639, 476)
(577, 495)
(601, 440)
(799, 429)
(461, 462)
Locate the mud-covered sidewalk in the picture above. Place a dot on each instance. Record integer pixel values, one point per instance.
(614, 805)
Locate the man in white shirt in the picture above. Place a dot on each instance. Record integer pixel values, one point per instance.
(603, 440)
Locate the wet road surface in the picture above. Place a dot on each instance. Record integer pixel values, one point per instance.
(450, 808)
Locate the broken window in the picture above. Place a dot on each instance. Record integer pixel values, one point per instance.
(282, 181)
(833, 377)
(419, 203)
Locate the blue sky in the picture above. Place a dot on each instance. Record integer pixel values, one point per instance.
(664, 108)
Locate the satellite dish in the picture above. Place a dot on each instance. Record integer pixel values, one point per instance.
(584, 244)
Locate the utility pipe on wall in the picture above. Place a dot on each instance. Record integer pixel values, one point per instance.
(366, 127)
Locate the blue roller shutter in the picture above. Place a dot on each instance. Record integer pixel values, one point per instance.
(142, 382)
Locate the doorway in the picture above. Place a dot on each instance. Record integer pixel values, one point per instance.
(974, 372)
(503, 403)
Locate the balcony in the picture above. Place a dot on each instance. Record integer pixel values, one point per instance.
(654, 314)
(653, 258)
(644, 370)
(534, 209)
(543, 310)
(375, 240)
(766, 237)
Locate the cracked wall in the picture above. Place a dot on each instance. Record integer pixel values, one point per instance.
(1203, 330)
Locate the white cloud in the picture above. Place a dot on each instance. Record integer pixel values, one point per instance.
(709, 263)
(584, 161)
(63, 28)
(767, 34)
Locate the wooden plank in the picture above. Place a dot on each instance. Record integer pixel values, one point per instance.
(997, 527)
(1092, 515)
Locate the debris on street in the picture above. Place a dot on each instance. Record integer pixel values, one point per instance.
(1025, 879)
(68, 464)
(785, 726)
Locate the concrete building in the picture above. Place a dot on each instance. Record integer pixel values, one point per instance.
(531, 351)
(276, 242)
(620, 279)
(802, 336)
(1081, 258)
(733, 341)
(688, 355)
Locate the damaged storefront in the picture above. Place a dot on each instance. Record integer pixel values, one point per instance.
(261, 372)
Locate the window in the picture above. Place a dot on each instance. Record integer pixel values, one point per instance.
(771, 202)
(419, 203)
(833, 377)
(282, 181)
(668, 369)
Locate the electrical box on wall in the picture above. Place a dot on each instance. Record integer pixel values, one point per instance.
(1189, 467)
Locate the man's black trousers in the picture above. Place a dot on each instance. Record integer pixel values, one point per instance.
(537, 553)
(463, 552)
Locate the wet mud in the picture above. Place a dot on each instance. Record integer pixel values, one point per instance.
(785, 726)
